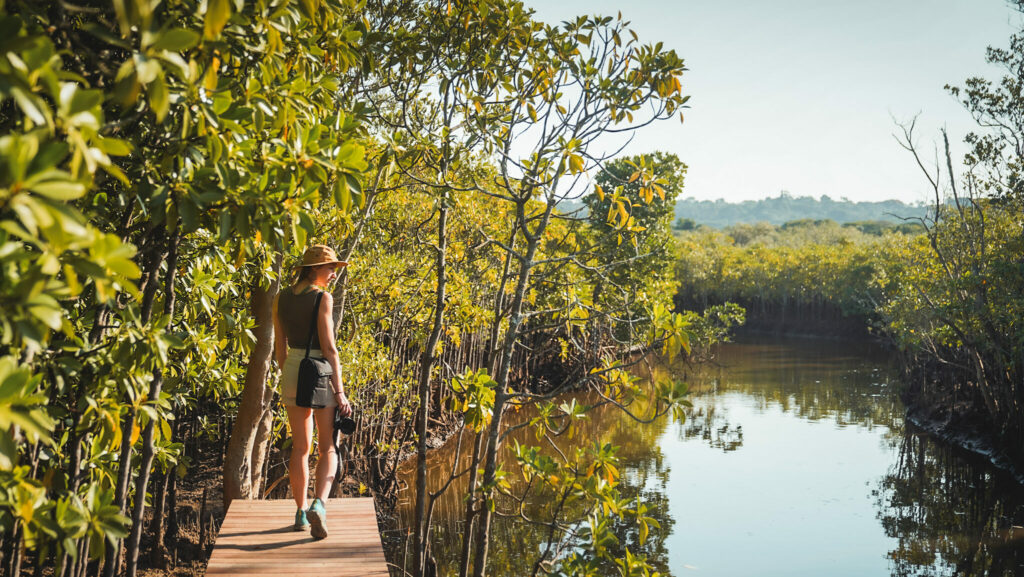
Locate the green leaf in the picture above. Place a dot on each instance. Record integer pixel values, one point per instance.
(176, 40)
(224, 228)
(355, 186)
(50, 155)
(103, 33)
(115, 146)
(48, 311)
(342, 193)
(29, 105)
(18, 404)
(189, 213)
(146, 69)
(350, 153)
(165, 429)
(158, 97)
(74, 100)
(55, 185)
(8, 451)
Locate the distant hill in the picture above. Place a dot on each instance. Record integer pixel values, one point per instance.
(780, 210)
(786, 208)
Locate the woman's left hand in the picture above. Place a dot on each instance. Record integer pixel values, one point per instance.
(344, 407)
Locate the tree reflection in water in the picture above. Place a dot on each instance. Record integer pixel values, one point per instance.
(950, 514)
(850, 383)
(710, 424)
(516, 545)
(943, 514)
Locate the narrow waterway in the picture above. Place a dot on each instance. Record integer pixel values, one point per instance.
(794, 460)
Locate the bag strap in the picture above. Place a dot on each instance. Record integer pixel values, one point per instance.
(337, 454)
(312, 322)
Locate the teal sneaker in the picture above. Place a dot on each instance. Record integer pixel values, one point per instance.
(301, 524)
(317, 519)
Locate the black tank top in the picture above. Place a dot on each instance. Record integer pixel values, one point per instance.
(296, 314)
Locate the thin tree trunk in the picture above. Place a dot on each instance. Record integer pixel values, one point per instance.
(501, 378)
(158, 554)
(499, 303)
(172, 519)
(148, 449)
(490, 356)
(15, 551)
(340, 292)
(427, 360)
(202, 523)
(77, 439)
(261, 445)
(112, 555)
(239, 459)
(470, 514)
(83, 557)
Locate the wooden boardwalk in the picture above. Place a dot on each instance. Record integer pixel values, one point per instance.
(256, 538)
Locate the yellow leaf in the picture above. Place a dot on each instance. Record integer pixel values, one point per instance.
(26, 510)
(575, 163)
(217, 14)
(210, 80)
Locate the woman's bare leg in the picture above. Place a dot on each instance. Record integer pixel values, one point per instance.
(327, 463)
(300, 419)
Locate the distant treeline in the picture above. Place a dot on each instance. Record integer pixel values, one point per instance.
(691, 213)
(785, 208)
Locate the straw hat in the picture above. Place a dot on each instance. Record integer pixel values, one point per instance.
(321, 254)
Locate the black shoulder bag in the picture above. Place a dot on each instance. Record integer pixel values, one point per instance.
(314, 387)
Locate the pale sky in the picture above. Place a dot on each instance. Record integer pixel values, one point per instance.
(800, 95)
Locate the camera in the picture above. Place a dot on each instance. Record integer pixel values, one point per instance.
(347, 425)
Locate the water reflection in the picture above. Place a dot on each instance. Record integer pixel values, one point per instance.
(517, 545)
(793, 461)
(950, 514)
(849, 383)
(710, 424)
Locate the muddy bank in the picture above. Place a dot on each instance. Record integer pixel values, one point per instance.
(958, 427)
(197, 510)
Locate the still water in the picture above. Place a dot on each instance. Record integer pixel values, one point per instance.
(794, 460)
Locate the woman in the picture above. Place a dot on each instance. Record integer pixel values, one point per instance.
(293, 314)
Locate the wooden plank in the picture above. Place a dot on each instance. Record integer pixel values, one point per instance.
(256, 538)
